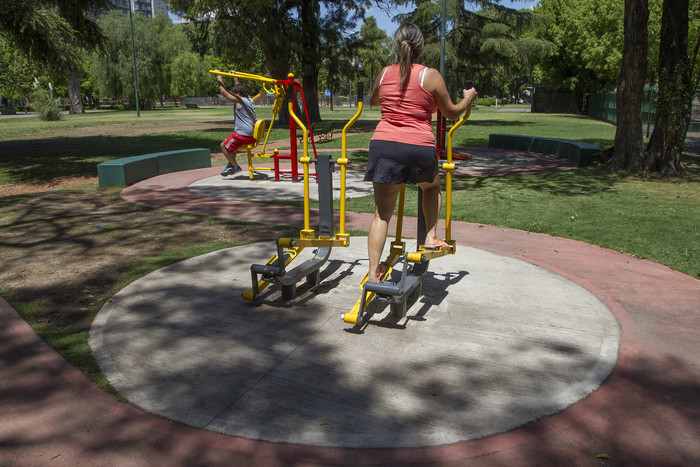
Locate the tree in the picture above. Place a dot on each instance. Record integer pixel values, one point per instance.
(502, 46)
(374, 52)
(629, 140)
(16, 73)
(676, 91)
(190, 75)
(54, 32)
(293, 32)
(488, 46)
(248, 34)
(588, 37)
(157, 43)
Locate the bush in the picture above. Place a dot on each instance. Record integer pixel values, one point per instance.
(49, 108)
(485, 101)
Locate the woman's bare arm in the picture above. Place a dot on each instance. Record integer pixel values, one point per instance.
(374, 98)
(435, 84)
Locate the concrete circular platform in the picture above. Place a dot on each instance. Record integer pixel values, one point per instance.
(241, 187)
(492, 344)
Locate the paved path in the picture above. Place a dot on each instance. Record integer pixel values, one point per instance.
(644, 413)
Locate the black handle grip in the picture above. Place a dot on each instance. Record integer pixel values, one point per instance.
(290, 92)
(360, 88)
(468, 84)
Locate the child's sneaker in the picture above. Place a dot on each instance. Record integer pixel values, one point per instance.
(228, 170)
(237, 169)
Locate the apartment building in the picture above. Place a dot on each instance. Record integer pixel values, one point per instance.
(148, 8)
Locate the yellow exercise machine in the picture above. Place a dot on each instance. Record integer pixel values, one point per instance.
(274, 271)
(408, 281)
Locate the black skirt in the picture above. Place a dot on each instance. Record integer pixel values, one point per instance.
(395, 163)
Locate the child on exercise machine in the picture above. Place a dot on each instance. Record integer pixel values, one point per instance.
(244, 122)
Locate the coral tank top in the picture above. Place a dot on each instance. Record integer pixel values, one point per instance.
(406, 118)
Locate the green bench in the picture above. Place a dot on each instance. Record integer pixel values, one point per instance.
(581, 153)
(129, 170)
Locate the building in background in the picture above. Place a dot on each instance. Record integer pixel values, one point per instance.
(147, 8)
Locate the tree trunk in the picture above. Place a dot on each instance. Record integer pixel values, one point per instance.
(310, 62)
(676, 91)
(277, 59)
(76, 102)
(629, 138)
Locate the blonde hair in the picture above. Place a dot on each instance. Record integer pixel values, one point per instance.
(408, 45)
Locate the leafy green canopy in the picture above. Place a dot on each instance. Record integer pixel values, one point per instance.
(190, 75)
(157, 43)
(299, 36)
(588, 37)
(51, 32)
(16, 73)
(495, 47)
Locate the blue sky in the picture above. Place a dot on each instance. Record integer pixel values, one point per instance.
(384, 21)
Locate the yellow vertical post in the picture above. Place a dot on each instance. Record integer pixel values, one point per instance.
(343, 162)
(449, 167)
(307, 232)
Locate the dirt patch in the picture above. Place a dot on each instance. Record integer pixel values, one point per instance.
(48, 185)
(217, 158)
(64, 252)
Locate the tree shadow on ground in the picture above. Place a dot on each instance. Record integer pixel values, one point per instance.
(582, 181)
(64, 252)
(42, 159)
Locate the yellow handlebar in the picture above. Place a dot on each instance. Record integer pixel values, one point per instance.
(449, 167)
(453, 129)
(238, 74)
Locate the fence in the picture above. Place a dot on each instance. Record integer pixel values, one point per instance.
(603, 106)
(546, 99)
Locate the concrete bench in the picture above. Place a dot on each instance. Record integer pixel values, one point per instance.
(581, 153)
(129, 170)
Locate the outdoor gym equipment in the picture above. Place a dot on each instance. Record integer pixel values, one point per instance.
(275, 271)
(398, 291)
(280, 88)
(441, 133)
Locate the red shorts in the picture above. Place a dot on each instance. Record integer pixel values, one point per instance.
(235, 141)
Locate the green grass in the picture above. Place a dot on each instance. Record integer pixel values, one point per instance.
(573, 127)
(651, 219)
(17, 127)
(654, 219)
(27, 160)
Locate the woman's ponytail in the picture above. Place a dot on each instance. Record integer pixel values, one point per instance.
(408, 45)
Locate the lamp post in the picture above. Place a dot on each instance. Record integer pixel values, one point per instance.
(133, 56)
(442, 39)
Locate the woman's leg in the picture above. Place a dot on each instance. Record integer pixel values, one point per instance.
(432, 203)
(384, 200)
